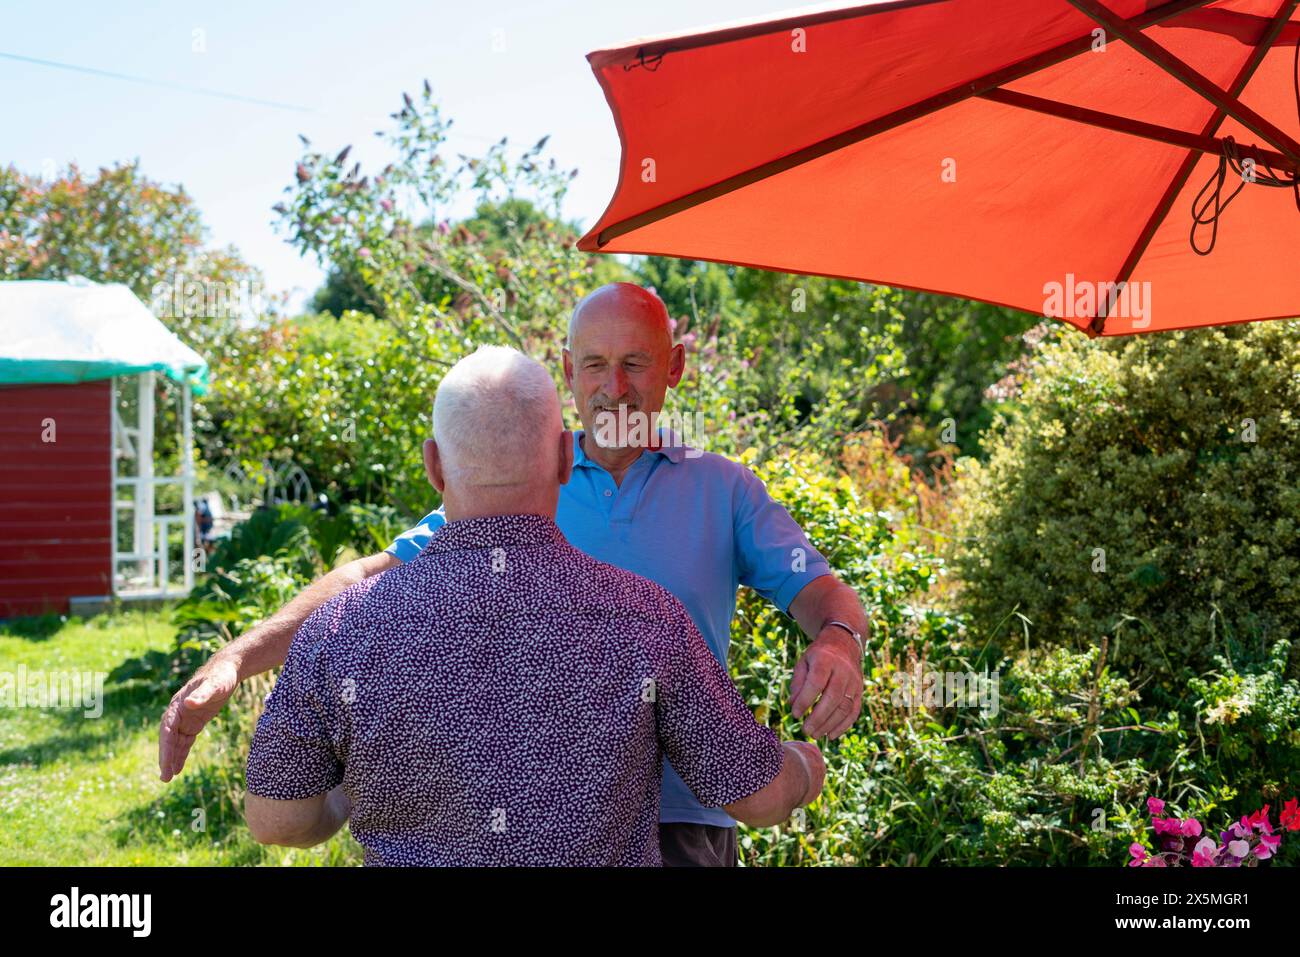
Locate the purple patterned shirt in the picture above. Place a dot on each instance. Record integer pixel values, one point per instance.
(505, 699)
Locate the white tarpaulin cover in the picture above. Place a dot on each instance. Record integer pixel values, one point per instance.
(78, 331)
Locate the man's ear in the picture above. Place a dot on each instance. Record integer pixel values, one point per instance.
(566, 456)
(433, 465)
(676, 365)
(568, 368)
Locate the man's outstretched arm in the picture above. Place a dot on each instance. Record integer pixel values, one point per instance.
(259, 649)
(710, 736)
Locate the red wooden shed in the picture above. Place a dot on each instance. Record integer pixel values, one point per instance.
(64, 349)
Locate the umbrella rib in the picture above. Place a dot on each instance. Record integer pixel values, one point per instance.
(1270, 34)
(1189, 76)
(1139, 128)
(887, 122)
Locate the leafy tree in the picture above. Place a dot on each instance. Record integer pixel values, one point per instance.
(119, 226)
(834, 355)
(956, 349)
(509, 274)
(776, 362)
(339, 294)
(344, 399)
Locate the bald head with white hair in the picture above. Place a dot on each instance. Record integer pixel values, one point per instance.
(622, 300)
(499, 446)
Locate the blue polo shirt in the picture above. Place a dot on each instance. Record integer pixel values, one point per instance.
(697, 523)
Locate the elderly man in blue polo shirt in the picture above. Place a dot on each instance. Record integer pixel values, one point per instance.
(697, 524)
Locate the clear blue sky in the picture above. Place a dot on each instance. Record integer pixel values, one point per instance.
(345, 63)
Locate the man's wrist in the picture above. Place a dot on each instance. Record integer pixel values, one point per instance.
(840, 627)
(805, 786)
(227, 656)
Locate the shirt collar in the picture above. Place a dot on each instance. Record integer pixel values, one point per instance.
(670, 448)
(495, 530)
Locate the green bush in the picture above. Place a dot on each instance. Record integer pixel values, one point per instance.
(345, 399)
(1248, 723)
(1146, 489)
(1057, 773)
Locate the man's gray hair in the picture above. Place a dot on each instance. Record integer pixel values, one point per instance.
(496, 419)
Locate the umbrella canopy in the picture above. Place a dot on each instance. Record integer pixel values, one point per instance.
(1041, 154)
(78, 331)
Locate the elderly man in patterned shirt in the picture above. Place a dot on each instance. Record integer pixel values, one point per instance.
(503, 698)
(696, 523)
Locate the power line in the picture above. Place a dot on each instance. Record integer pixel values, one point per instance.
(180, 87)
(219, 94)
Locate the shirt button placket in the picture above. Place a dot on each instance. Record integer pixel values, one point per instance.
(626, 495)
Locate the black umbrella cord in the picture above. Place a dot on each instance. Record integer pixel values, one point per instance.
(1209, 204)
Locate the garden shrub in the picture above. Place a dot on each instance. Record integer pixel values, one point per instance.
(1248, 722)
(1057, 773)
(1146, 489)
(346, 400)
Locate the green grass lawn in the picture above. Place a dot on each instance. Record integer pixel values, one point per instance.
(76, 790)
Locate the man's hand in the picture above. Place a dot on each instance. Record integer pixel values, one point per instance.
(828, 680)
(260, 649)
(191, 709)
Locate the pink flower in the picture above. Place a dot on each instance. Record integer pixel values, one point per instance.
(1138, 853)
(1191, 827)
(1259, 818)
(1204, 853)
(1238, 849)
(1155, 806)
(1170, 825)
(387, 205)
(1268, 844)
(363, 252)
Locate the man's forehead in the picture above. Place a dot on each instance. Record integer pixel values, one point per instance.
(620, 333)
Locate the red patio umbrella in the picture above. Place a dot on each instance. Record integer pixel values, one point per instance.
(1042, 154)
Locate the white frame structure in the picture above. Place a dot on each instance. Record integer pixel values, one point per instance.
(145, 571)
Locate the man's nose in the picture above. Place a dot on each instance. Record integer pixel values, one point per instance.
(616, 383)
